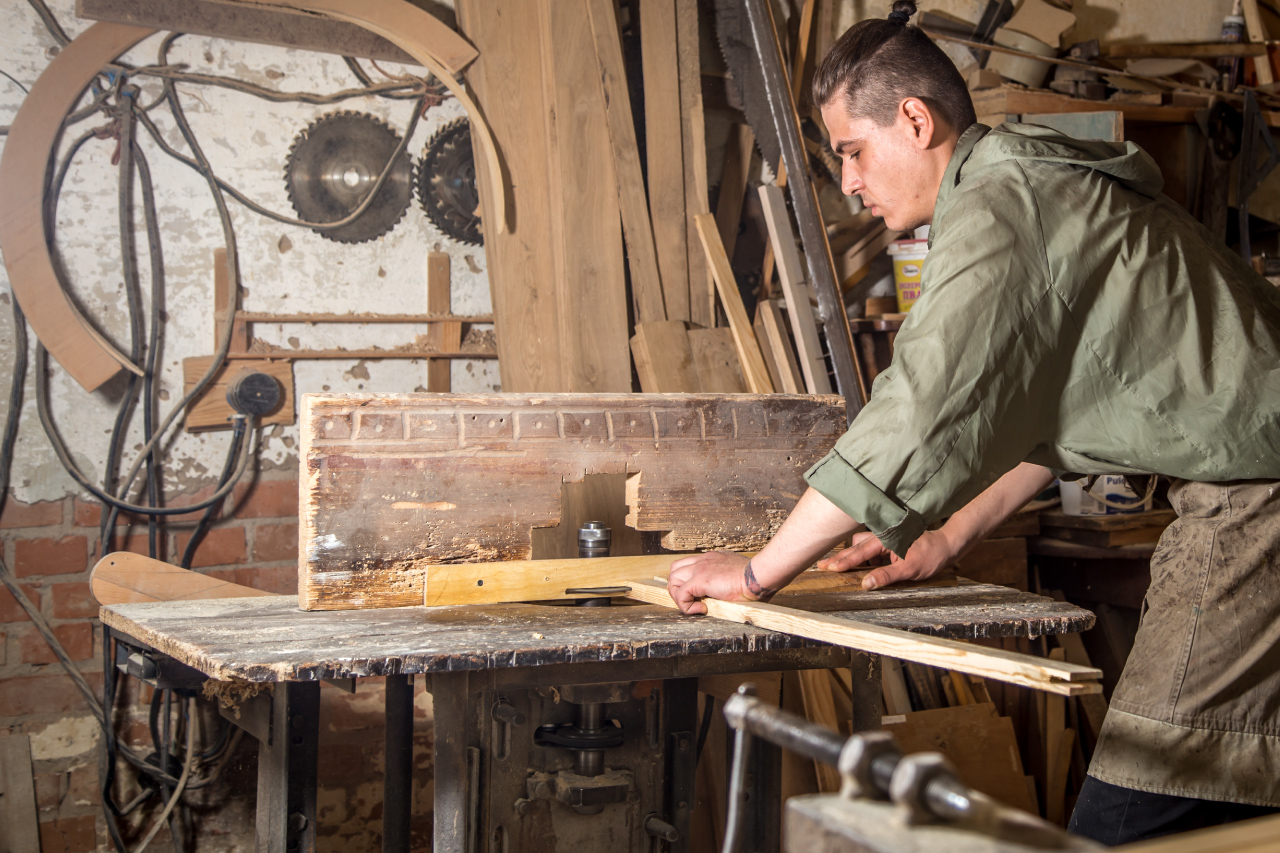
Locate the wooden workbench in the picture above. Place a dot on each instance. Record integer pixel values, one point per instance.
(472, 654)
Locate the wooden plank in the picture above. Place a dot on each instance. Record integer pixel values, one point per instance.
(715, 357)
(212, 411)
(693, 134)
(646, 284)
(586, 230)
(980, 743)
(664, 358)
(535, 580)
(753, 369)
(894, 687)
(1257, 32)
(522, 277)
(125, 577)
(1181, 50)
(1009, 100)
(998, 561)
(19, 823)
(791, 275)
(394, 483)
(1103, 538)
(1046, 675)
(276, 26)
(221, 296)
(664, 151)
(733, 184)
(65, 332)
(446, 337)
(820, 708)
(768, 685)
(853, 263)
(792, 382)
(1160, 518)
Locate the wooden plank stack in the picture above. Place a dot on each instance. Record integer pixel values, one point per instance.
(585, 179)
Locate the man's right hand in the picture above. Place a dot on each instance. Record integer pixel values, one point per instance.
(927, 556)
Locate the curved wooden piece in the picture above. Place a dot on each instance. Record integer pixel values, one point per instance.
(417, 33)
(28, 151)
(127, 578)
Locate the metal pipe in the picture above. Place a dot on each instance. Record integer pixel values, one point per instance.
(397, 777)
(744, 711)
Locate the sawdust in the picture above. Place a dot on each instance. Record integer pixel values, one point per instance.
(231, 694)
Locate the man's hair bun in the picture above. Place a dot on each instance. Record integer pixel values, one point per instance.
(902, 12)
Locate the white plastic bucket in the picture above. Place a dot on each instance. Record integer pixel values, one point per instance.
(1110, 495)
(908, 263)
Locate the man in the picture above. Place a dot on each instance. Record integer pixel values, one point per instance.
(1072, 320)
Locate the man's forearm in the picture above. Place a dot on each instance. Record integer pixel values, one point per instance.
(814, 527)
(972, 522)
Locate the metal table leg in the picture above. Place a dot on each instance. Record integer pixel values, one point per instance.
(397, 777)
(453, 798)
(286, 820)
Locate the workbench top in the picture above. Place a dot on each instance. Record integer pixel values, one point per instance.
(270, 639)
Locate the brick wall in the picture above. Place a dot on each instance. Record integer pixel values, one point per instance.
(51, 546)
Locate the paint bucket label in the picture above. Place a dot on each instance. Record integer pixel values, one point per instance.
(908, 264)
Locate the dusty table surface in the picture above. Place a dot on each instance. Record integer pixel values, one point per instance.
(270, 639)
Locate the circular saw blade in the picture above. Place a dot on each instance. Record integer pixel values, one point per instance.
(447, 183)
(334, 163)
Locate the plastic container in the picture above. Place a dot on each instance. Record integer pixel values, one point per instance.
(1110, 495)
(908, 263)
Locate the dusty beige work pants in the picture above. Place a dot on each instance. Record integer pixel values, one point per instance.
(1197, 710)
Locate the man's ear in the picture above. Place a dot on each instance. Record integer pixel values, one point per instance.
(921, 120)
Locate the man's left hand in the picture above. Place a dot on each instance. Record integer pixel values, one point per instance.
(715, 574)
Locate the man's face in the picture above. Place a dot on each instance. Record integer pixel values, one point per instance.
(887, 166)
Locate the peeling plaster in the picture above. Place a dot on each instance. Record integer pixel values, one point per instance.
(284, 269)
(65, 738)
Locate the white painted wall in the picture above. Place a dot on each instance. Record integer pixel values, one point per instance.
(285, 269)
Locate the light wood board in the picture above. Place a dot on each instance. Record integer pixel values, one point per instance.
(664, 151)
(1047, 675)
(212, 411)
(57, 322)
(646, 284)
(715, 358)
(445, 337)
(664, 358)
(775, 330)
(125, 577)
(753, 368)
(693, 133)
(19, 824)
(790, 273)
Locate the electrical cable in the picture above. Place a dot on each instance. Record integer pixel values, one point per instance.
(107, 767)
(357, 71)
(51, 23)
(259, 209)
(182, 780)
(708, 711)
(238, 429)
(392, 88)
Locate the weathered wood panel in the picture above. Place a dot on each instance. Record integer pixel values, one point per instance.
(392, 484)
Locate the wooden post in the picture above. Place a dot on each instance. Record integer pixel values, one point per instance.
(221, 295)
(445, 337)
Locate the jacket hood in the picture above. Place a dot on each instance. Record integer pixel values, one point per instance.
(1121, 161)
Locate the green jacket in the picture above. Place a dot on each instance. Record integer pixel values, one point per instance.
(1071, 316)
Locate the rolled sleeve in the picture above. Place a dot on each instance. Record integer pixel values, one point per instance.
(896, 525)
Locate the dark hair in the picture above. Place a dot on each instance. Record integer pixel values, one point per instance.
(877, 64)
